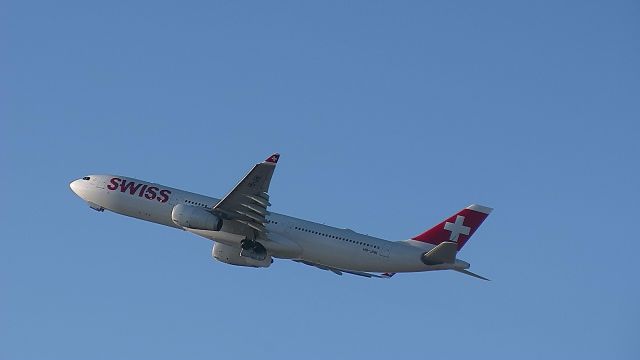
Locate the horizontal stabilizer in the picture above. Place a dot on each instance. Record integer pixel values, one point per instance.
(467, 272)
(444, 253)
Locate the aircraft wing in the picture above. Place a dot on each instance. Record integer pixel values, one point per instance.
(247, 202)
(340, 271)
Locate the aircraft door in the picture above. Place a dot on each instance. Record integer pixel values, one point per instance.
(384, 251)
(100, 183)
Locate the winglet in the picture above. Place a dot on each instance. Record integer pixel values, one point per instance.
(273, 158)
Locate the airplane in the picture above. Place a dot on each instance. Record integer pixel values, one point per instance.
(246, 233)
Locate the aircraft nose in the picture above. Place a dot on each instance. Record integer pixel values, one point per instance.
(75, 187)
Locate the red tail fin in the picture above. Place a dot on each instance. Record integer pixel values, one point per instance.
(457, 228)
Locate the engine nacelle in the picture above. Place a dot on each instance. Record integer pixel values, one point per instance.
(231, 255)
(195, 218)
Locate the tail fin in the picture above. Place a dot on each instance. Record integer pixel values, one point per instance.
(458, 228)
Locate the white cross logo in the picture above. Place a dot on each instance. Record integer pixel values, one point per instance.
(457, 228)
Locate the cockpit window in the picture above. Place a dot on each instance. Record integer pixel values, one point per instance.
(86, 178)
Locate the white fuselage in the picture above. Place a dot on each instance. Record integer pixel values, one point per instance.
(319, 244)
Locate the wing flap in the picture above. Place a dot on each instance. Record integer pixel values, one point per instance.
(247, 202)
(341, 271)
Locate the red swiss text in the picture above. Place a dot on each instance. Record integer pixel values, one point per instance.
(142, 190)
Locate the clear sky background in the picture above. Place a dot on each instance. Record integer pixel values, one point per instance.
(389, 117)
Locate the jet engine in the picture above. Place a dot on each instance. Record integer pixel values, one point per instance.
(195, 218)
(231, 255)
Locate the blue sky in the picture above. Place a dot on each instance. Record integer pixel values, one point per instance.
(389, 117)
